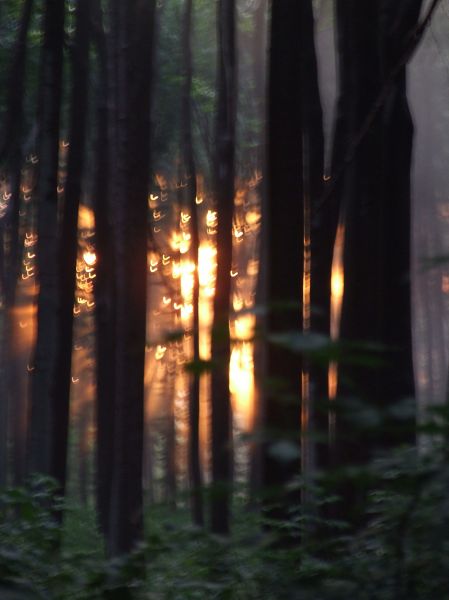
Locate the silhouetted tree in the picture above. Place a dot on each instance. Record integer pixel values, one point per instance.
(11, 157)
(224, 172)
(68, 239)
(43, 401)
(104, 290)
(285, 226)
(375, 128)
(131, 24)
(190, 181)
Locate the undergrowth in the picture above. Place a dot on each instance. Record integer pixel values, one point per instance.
(401, 551)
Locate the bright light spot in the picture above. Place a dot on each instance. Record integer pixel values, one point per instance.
(160, 352)
(90, 258)
(338, 283)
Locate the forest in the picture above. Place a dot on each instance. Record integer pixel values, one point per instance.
(224, 299)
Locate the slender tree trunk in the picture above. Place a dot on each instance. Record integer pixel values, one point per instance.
(43, 399)
(259, 45)
(129, 172)
(190, 179)
(319, 233)
(68, 242)
(3, 409)
(170, 442)
(224, 193)
(104, 294)
(83, 458)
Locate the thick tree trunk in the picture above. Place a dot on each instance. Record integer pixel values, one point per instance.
(224, 194)
(196, 481)
(11, 157)
(285, 223)
(400, 19)
(130, 173)
(359, 194)
(375, 213)
(43, 399)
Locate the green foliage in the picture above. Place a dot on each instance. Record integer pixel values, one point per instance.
(400, 551)
(41, 559)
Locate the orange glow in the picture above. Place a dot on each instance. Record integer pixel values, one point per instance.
(337, 292)
(445, 284)
(337, 283)
(86, 218)
(170, 261)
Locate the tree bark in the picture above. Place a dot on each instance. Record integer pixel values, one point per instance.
(196, 481)
(68, 241)
(319, 234)
(11, 155)
(259, 48)
(129, 184)
(104, 293)
(400, 19)
(43, 399)
(285, 224)
(224, 173)
(375, 212)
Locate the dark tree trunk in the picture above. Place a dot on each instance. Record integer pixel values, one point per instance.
(285, 224)
(400, 19)
(4, 419)
(11, 156)
(104, 293)
(190, 180)
(375, 213)
(68, 241)
(170, 442)
(358, 192)
(84, 420)
(43, 399)
(259, 46)
(11, 136)
(224, 172)
(319, 233)
(129, 177)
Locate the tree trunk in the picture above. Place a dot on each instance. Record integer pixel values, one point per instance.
(224, 172)
(400, 19)
(259, 47)
(104, 294)
(375, 213)
(11, 136)
(68, 241)
(43, 399)
(11, 156)
(285, 224)
(129, 177)
(190, 180)
(319, 233)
